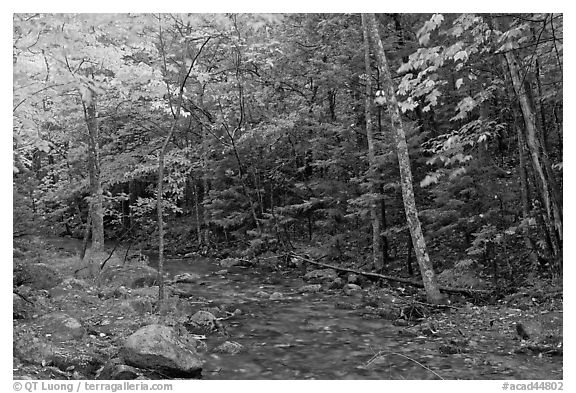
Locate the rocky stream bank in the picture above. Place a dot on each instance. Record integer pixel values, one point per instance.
(222, 319)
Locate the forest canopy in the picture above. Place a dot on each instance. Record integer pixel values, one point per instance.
(272, 132)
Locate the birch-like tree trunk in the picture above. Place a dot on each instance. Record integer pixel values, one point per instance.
(377, 255)
(89, 100)
(525, 198)
(426, 269)
(546, 184)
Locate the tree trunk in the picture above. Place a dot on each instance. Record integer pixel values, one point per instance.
(428, 276)
(373, 167)
(542, 219)
(161, 156)
(524, 197)
(87, 231)
(197, 213)
(89, 100)
(546, 184)
(160, 211)
(205, 237)
(385, 246)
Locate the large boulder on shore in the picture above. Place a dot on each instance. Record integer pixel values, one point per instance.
(36, 275)
(22, 308)
(163, 349)
(34, 350)
(61, 327)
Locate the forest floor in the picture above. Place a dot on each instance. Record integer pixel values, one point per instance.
(289, 328)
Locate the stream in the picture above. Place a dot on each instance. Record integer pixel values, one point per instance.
(304, 336)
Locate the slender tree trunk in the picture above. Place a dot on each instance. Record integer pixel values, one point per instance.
(542, 218)
(542, 109)
(241, 178)
(524, 197)
(385, 245)
(89, 100)
(197, 212)
(205, 239)
(160, 212)
(409, 247)
(428, 276)
(546, 184)
(176, 111)
(87, 231)
(132, 193)
(373, 167)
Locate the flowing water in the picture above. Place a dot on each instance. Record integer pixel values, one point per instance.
(304, 336)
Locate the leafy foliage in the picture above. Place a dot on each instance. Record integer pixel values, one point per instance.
(270, 150)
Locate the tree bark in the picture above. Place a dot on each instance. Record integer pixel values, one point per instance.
(89, 101)
(524, 197)
(546, 184)
(197, 213)
(428, 276)
(377, 255)
(161, 158)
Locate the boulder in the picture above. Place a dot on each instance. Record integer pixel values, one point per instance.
(114, 370)
(262, 294)
(75, 283)
(86, 362)
(338, 283)
(276, 296)
(229, 262)
(184, 289)
(202, 322)
(529, 329)
(350, 289)
(30, 349)
(229, 347)
(321, 276)
(187, 278)
(22, 308)
(36, 275)
(33, 350)
(163, 349)
(61, 327)
(312, 288)
(357, 279)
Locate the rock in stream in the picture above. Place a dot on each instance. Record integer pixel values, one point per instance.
(163, 349)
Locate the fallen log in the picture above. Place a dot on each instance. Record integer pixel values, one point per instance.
(461, 291)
